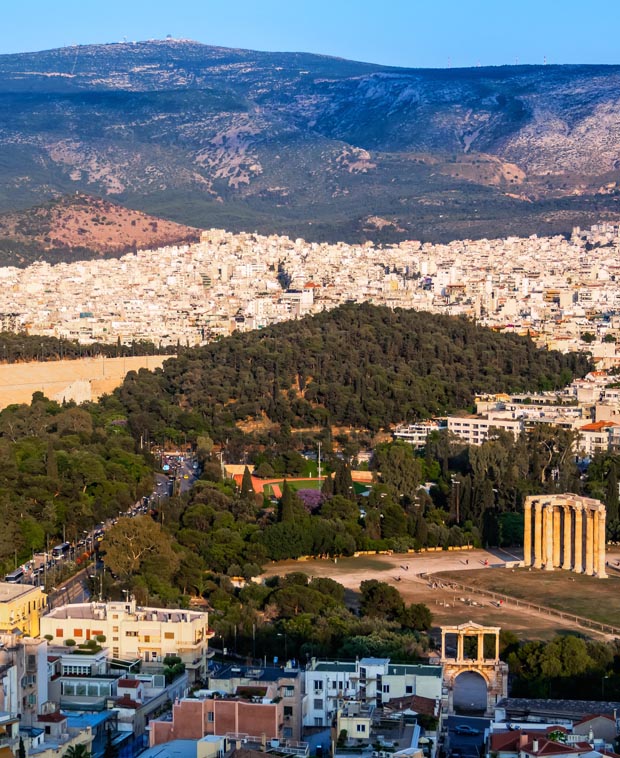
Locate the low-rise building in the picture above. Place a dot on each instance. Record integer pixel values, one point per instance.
(370, 680)
(288, 684)
(132, 632)
(476, 429)
(193, 718)
(21, 606)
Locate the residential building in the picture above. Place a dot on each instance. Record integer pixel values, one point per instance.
(373, 681)
(417, 434)
(132, 632)
(193, 718)
(476, 429)
(288, 683)
(23, 676)
(21, 606)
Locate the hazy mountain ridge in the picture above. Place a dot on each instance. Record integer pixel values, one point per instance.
(311, 145)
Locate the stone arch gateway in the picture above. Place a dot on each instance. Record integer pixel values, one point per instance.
(476, 650)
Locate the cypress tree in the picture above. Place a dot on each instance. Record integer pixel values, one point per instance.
(247, 488)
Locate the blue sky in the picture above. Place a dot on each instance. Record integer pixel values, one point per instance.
(426, 33)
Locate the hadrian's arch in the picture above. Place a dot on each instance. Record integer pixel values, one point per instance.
(565, 531)
(472, 648)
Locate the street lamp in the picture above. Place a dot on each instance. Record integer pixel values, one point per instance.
(285, 645)
(457, 506)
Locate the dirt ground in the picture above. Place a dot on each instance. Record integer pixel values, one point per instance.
(447, 606)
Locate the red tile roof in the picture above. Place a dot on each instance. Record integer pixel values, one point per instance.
(52, 718)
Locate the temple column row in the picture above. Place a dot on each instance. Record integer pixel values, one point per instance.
(555, 538)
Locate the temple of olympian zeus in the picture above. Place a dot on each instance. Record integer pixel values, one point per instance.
(565, 531)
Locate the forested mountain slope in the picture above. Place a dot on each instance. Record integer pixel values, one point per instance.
(358, 365)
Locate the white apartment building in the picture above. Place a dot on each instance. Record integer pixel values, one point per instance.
(131, 632)
(417, 434)
(474, 430)
(23, 676)
(370, 680)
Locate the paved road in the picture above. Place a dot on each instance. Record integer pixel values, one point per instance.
(466, 745)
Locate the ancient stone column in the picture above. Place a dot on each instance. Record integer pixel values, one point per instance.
(589, 542)
(480, 646)
(443, 645)
(602, 538)
(557, 535)
(549, 538)
(567, 555)
(594, 540)
(459, 646)
(538, 541)
(527, 533)
(578, 566)
(497, 646)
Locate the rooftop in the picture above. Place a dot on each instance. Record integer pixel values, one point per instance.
(334, 666)
(258, 674)
(128, 611)
(10, 592)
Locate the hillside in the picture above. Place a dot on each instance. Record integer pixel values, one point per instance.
(358, 365)
(310, 145)
(80, 227)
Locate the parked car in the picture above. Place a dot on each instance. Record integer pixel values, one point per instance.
(466, 729)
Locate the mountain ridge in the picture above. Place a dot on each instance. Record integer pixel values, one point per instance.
(312, 146)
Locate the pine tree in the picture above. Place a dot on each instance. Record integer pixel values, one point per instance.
(51, 462)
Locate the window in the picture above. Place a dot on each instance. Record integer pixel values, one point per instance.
(131, 634)
(168, 635)
(318, 685)
(386, 688)
(318, 705)
(210, 717)
(59, 633)
(78, 633)
(409, 689)
(288, 710)
(318, 721)
(289, 691)
(360, 728)
(147, 637)
(287, 731)
(115, 629)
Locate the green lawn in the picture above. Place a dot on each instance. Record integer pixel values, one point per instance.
(562, 590)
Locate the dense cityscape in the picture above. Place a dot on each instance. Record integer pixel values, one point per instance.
(309, 381)
(563, 292)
